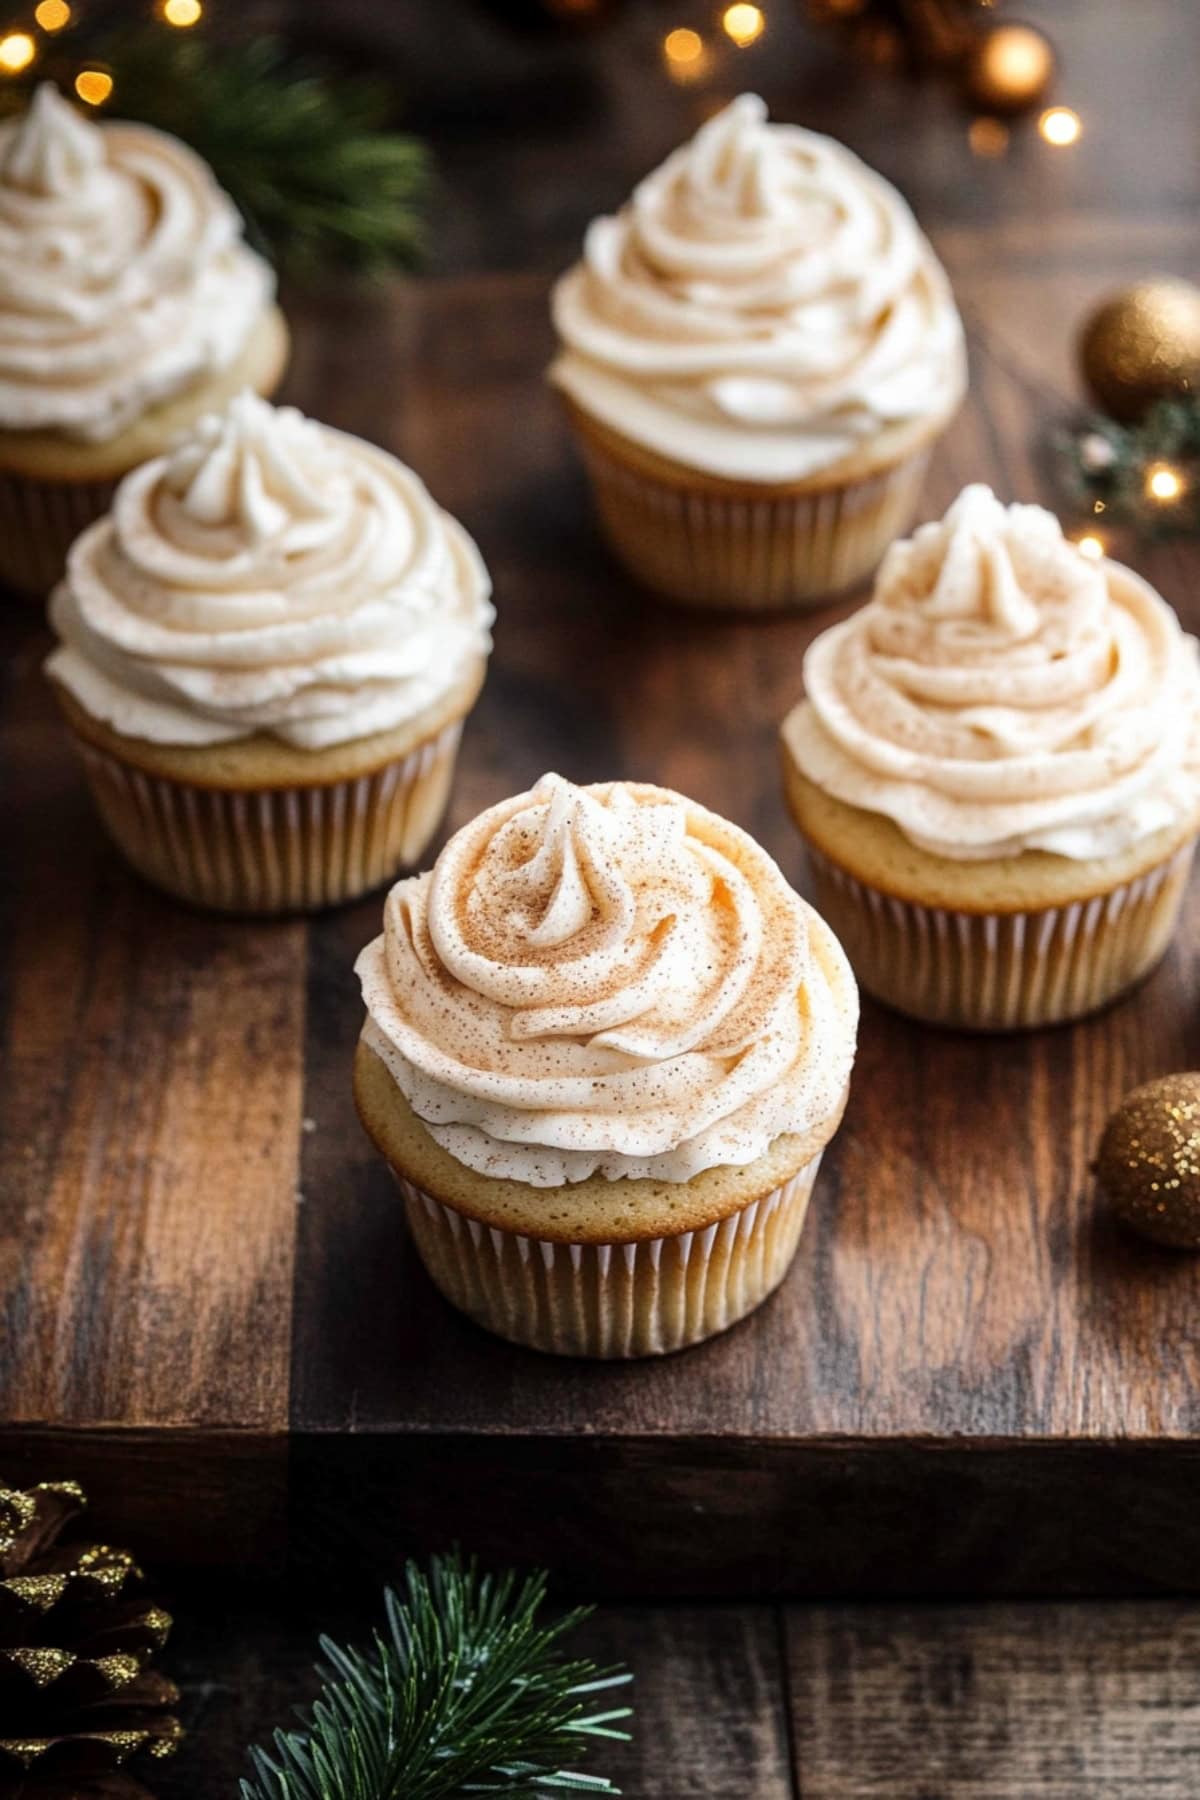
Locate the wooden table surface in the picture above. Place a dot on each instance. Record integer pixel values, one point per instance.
(1084, 1701)
(209, 1309)
(202, 1249)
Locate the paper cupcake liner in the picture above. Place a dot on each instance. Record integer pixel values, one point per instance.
(1003, 971)
(756, 555)
(275, 850)
(39, 521)
(611, 1300)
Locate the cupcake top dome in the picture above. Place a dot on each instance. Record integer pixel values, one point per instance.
(607, 980)
(1000, 693)
(124, 277)
(268, 575)
(762, 305)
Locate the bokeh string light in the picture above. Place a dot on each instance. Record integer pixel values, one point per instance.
(93, 86)
(1060, 126)
(988, 138)
(1008, 68)
(52, 15)
(17, 51)
(1163, 483)
(182, 13)
(744, 24)
(685, 54)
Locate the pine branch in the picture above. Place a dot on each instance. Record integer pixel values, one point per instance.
(467, 1693)
(304, 152)
(1104, 468)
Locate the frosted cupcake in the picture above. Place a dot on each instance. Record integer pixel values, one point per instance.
(757, 354)
(605, 1047)
(996, 769)
(268, 648)
(129, 306)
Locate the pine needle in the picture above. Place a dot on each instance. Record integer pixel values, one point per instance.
(305, 152)
(466, 1693)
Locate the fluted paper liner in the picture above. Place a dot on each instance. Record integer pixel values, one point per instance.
(644, 1298)
(1009, 970)
(39, 521)
(275, 850)
(780, 551)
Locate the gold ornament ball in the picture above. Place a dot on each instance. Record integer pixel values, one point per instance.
(1008, 69)
(1143, 345)
(1148, 1166)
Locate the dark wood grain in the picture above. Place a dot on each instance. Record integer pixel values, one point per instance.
(1007, 1703)
(709, 1693)
(1051, 1702)
(969, 1380)
(150, 1121)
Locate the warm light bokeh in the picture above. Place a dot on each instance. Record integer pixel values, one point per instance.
(686, 56)
(1060, 126)
(182, 12)
(1013, 66)
(94, 86)
(743, 24)
(52, 15)
(988, 137)
(1163, 482)
(17, 51)
(683, 45)
(1090, 546)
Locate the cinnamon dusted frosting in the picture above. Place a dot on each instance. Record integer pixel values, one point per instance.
(124, 277)
(607, 980)
(762, 305)
(269, 575)
(1002, 693)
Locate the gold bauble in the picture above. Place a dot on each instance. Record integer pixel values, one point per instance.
(1008, 69)
(1148, 1166)
(1143, 345)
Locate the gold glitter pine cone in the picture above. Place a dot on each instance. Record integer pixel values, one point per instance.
(78, 1701)
(1148, 1165)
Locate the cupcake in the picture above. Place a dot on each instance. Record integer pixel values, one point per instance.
(129, 306)
(604, 1049)
(757, 355)
(996, 770)
(268, 648)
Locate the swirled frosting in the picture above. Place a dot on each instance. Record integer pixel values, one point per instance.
(123, 274)
(1001, 693)
(607, 980)
(269, 575)
(763, 304)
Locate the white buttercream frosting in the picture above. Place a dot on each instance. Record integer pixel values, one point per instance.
(269, 575)
(607, 980)
(762, 305)
(1000, 693)
(124, 277)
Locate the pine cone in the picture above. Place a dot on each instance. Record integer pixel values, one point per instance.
(77, 1700)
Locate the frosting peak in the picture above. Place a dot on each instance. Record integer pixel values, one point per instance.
(1001, 693)
(53, 149)
(256, 469)
(762, 304)
(611, 980)
(123, 274)
(269, 575)
(735, 162)
(970, 557)
(549, 887)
